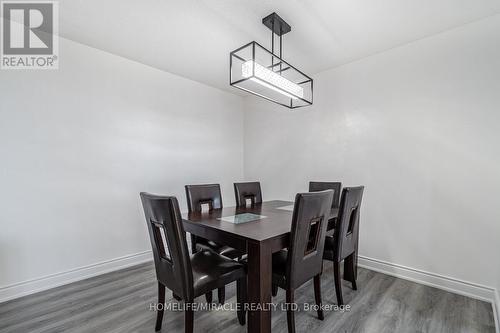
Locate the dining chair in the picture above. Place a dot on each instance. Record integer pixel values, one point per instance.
(321, 186)
(336, 187)
(344, 242)
(247, 191)
(303, 260)
(187, 276)
(209, 195)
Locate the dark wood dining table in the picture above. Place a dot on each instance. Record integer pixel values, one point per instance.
(259, 239)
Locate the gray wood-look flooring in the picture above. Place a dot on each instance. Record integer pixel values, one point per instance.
(120, 302)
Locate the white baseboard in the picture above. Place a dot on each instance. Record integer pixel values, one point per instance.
(55, 280)
(456, 286)
(496, 309)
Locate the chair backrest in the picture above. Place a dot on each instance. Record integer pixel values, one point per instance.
(321, 186)
(307, 238)
(168, 241)
(247, 191)
(198, 195)
(347, 228)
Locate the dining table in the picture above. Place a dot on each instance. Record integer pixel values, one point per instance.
(259, 231)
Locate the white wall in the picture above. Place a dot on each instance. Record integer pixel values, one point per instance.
(77, 145)
(419, 126)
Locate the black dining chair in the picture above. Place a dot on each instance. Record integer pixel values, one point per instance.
(186, 276)
(247, 191)
(336, 187)
(344, 243)
(321, 186)
(210, 195)
(303, 260)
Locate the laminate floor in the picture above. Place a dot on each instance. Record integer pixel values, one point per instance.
(120, 302)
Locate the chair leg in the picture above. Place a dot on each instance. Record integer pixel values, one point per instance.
(317, 295)
(290, 315)
(208, 297)
(193, 244)
(338, 282)
(188, 317)
(275, 290)
(350, 264)
(241, 297)
(222, 295)
(161, 300)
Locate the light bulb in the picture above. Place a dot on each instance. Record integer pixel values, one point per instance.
(271, 80)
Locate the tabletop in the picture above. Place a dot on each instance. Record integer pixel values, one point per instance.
(273, 219)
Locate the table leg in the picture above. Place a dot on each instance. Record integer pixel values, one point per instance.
(259, 286)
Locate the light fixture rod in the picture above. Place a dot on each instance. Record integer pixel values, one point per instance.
(272, 45)
(281, 48)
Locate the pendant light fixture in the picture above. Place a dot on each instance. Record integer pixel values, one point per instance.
(264, 73)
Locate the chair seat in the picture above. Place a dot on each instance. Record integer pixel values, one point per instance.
(212, 270)
(280, 259)
(203, 244)
(224, 250)
(230, 252)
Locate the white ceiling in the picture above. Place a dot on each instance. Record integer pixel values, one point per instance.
(193, 38)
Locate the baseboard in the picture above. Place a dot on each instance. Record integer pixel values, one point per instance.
(456, 286)
(55, 280)
(496, 309)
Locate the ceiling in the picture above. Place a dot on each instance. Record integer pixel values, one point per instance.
(193, 38)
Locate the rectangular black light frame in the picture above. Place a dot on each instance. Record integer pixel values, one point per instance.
(284, 66)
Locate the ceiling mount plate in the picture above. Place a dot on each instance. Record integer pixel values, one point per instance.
(276, 24)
